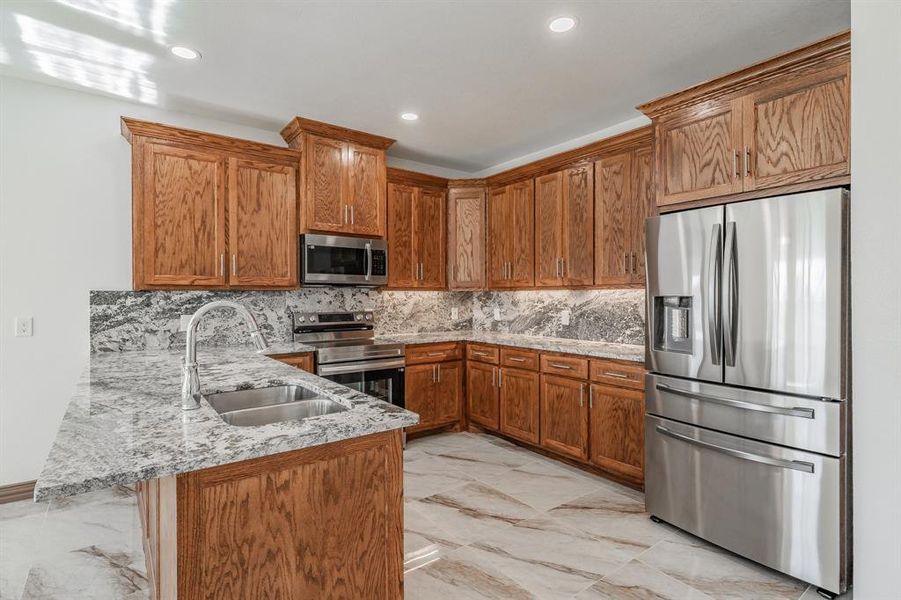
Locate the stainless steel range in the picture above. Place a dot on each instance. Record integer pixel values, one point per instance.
(347, 353)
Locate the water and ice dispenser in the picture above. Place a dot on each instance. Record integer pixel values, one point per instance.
(672, 324)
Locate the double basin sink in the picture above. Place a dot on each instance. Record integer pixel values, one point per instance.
(261, 406)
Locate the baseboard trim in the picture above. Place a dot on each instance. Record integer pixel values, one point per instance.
(16, 491)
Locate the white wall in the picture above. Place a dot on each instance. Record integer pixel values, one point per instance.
(65, 228)
(876, 295)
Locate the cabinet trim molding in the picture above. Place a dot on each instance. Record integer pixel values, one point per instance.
(291, 133)
(405, 177)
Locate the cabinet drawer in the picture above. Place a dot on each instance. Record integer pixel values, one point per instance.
(622, 374)
(482, 353)
(568, 366)
(427, 353)
(521, 359)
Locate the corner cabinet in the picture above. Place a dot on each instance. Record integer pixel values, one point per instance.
(783, 124)
(344, 178)
(210, 211)
(416, 237)
(466, 221)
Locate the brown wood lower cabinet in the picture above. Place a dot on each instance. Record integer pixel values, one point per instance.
(564, 416)
(304, 362)
(323, 522)
(519, 404)
(482, 395)
(435, 392)
(617, 430)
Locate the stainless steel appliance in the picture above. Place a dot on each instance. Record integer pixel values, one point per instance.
(347, 353)
(342, 260)
(748, 418)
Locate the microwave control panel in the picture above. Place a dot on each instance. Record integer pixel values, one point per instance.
(379, 263)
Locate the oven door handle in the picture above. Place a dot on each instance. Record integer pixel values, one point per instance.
(360, 366)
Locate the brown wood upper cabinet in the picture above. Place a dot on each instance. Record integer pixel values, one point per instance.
(511, 236)
(186, 186)
(344, 177)
(466, 237)
(783, 122)
(416, 237)
(624, 199)
(564, 224)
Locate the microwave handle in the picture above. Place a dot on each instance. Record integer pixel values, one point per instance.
(368, 261)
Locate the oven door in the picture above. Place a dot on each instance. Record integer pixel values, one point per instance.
(341, 260)
(382, 379)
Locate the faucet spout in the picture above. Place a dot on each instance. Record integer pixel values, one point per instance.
(190, 389)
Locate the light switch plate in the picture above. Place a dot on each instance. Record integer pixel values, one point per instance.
(183, 322)
(497, 314)
(24, 326)
(565, 317)
(455, 313)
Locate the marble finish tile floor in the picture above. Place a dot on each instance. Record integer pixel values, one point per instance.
(484, 519)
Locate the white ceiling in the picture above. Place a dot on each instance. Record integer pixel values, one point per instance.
(489, 80)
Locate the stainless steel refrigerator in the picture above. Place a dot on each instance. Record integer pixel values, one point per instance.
(748, 417)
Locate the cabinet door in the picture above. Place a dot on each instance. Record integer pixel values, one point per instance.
(578, 225)
(698, 153)
(482, 395)
(612, 224)
(428, 237)
(326, 208)
(448, 392)
(617, 430)
(519, 404)
(499, 237)
(466, 238)
(549, 230)
(366, 184)
(401, 269)
(797, 129)
(262, 223)
(182, 217)
(419, 392)
(564, 415)
(522, 258)
(642, 207)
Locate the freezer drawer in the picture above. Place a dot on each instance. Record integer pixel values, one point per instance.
(803, 423)
(782, 508)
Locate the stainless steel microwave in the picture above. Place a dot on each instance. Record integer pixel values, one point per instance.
(342, 260)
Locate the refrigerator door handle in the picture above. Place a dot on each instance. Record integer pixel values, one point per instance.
(714, 278)
(730, 287)
(795, 411)
(795, 465)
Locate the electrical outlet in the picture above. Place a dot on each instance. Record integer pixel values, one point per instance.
(497, 314)
(183, 322)
(455, 313)
(565, 317)
(24, 326)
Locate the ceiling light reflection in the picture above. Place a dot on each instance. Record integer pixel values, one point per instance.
(127, 14)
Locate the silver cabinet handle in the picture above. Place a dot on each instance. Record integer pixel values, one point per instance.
(493, 376)
(351, 214)
(795, 465)
(562, 266)
(500, 377)
(222, 265)
(439, 373)
(735, 174)
(433, 373)
(634, 270)
(345, 213)
(516, 359)
(479, 353)
(747, 161)
(591, 396)
(581, 395)
(626, 262)
(714, 278)
(435, 353)
(795, 411)
(234, 264)
(730, 284)
(559, 366)
(615, 374)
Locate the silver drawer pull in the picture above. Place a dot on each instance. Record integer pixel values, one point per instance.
(795, 465)
(435, 353)
(796, 411)
(515, 359)
(479, 353)
(617, 375)
(559, 366)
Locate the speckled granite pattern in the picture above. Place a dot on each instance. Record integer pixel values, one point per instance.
(128, 320)
(125, 422)
(605, 315)
(631, 352)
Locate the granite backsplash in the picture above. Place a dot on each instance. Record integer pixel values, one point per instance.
(129, 320)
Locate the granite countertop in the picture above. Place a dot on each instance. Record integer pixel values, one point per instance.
(630, 352)
(125, 422)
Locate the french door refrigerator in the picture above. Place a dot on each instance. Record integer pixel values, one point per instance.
(747, 407)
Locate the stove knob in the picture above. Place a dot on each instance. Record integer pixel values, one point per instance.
(359, 317)
(368, 316)
(312, 318)
(301, 319)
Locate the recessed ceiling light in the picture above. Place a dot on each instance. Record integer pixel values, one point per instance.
(410, 117)
(185, 52)
(561, 24)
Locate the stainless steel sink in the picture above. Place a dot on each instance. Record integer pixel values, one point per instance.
(261, 406)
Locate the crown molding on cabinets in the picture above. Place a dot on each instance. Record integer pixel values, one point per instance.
(291, 133)
(405, 177)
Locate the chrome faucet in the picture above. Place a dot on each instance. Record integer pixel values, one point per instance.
(190, 389)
